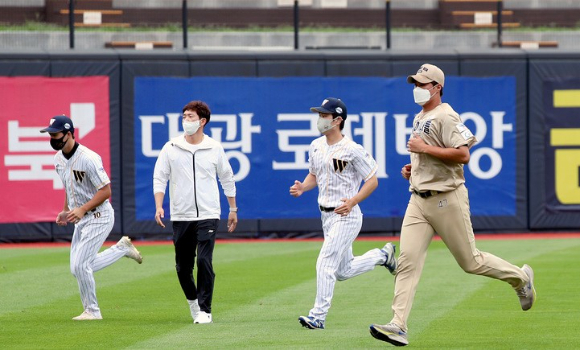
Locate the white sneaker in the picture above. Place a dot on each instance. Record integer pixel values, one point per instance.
(88, 316)
(130, 250)
(391, 263)
(194, 307)
(527, 293)
(203, 317)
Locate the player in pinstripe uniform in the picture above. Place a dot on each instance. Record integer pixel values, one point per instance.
(338, 166)
(86, 204)
(439, 204)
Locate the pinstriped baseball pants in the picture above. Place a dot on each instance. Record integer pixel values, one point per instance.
(88, 237)
(336, 260)
(447, 214)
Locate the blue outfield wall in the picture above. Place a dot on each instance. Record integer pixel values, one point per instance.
(266, 127)
(554, 141)
(260, 112)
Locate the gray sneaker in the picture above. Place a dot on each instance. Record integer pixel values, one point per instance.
(527, 293)
(391, 333)
(391, 264)
(130, 250)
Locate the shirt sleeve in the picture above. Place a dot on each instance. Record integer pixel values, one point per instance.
(311, 168)
(455, 134)
(225, 173)
(96, 172)
(363, 162)
(161, 172)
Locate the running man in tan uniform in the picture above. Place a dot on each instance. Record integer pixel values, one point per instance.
(439, 203)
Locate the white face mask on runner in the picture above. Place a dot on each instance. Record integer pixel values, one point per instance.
(324, 125)
(191, 128)
(421, 95)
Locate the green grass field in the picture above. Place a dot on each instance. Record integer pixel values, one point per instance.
(262, 288)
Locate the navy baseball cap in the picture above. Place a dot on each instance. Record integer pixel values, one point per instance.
(333, 106)
(59, 123)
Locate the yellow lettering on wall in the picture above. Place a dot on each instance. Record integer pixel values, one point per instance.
(567, 185)
(566, 98)
(567, 167)
(565, 137)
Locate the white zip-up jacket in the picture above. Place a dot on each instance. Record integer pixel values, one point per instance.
(191, 171)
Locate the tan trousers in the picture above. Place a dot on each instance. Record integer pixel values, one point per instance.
(448, 215)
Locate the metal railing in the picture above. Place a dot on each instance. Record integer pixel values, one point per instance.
(295, 24)
(185, 23)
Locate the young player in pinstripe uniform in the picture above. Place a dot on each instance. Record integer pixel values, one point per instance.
(338, 166)
(86, 204)
(439, 204)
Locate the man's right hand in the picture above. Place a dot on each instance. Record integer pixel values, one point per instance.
(160, 214)
(61, 218)
(406, 171)
(297, 189)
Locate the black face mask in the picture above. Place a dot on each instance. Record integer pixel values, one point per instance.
(58, 144)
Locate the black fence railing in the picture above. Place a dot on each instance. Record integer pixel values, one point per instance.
(303, 24)
(296, 23)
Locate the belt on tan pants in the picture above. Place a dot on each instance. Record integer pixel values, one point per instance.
(426, 194)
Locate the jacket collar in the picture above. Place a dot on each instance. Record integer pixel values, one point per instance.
(180, 142)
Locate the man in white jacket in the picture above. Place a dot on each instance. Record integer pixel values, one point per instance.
(191, 162)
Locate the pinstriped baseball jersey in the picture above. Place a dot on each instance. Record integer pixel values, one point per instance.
(82, 175)
(339, 169)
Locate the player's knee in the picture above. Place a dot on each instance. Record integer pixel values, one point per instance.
(327, 271)
(203, 262)
(183, 268)
(77, 270)
(470, 267)
(341, 277)
(405, 264)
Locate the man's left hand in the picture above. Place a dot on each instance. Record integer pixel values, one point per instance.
(75, 215)
(346, 207)
(416, 145)
(232, 221)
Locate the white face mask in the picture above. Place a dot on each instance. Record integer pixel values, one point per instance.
(422, 96)
(191, 128)
(324, 124)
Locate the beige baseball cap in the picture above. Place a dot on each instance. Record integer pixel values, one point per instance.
(426, 74)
